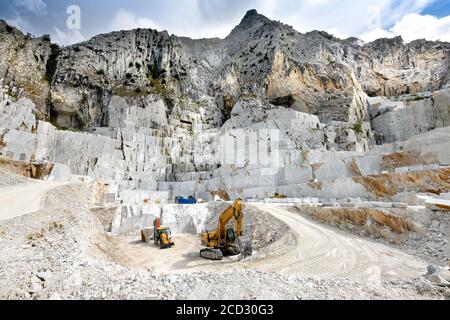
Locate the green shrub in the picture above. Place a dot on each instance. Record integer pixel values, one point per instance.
(154, 71)
(358, 128)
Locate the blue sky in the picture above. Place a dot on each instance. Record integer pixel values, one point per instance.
(367, 19)
(439, 9)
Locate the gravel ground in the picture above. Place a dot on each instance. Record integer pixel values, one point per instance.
(8, 179)
(59, 253)
(433, 243)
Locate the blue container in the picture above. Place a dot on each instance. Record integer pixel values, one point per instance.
(181, 200)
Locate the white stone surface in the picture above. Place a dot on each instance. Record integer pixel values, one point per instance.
(139, 197)
(400, 120)
(438, 204)
(16, 115)
(20, 145)
(60, 172)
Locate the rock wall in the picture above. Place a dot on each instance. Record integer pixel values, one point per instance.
(407, 116)
(24, 66)
(141, 151)
(265, 110)
(313, 73)
(192, 219)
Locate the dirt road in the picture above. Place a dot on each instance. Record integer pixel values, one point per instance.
(24, 198)
(326, 252)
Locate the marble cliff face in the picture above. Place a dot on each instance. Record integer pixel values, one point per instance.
(148, 110)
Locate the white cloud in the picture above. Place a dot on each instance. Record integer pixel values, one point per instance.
(367, 19)
(125, 20)
(342, 18)
(68, 37)
(414, 26)
(36, 6)
(20, 23)
(338, 34)
(376, 34)
(348, 16)
(59, 36)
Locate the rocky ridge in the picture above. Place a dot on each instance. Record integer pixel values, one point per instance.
(260, 58)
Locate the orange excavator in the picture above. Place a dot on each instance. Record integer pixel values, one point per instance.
(227, 240)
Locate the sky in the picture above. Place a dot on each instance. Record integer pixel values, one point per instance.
(71, 21)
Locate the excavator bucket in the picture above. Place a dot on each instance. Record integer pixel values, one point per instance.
(245, 246)
(211, 254)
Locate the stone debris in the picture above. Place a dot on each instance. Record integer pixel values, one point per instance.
(438, 274)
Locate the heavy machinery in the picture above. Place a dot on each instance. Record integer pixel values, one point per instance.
(162, 235)
(227, 240)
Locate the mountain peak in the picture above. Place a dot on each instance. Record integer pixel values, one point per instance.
(252, 18)
(251, 13)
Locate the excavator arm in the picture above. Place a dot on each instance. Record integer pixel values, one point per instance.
(217, 237)
(234, 211)
(239, 218)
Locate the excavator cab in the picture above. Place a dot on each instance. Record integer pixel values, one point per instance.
(231, 235)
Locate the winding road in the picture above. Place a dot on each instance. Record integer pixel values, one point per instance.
(20, 199)
(325, 252)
